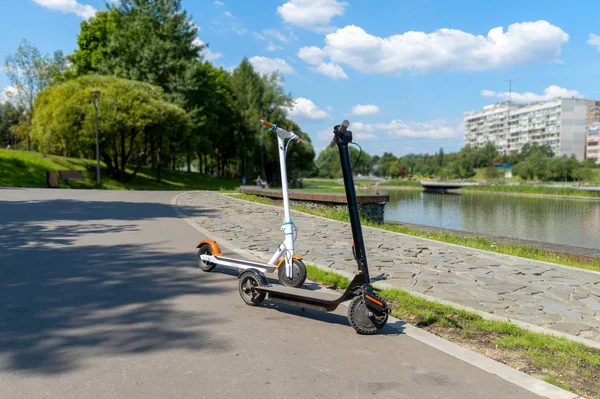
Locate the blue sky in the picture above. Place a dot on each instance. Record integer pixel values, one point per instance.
(402, 71)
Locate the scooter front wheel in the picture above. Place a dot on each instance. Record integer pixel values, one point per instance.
(364, 320)
(298, 274)
(247, 282)
(205, 249)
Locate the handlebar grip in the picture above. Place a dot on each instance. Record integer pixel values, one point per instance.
(266, 124)
(344, 126)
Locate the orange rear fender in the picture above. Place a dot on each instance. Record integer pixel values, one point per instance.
(214, 248)
(282, 260)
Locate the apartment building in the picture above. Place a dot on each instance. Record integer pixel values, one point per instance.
(593, 141)
(560, 123)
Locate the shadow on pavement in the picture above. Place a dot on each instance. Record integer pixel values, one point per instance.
(62, 304)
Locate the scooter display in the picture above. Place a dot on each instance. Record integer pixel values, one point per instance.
(291, 271)
(367, 313)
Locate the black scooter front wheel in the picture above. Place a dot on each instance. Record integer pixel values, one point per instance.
(364, 320)
(298, 274)
(247, 283)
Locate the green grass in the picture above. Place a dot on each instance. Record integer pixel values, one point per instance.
(28, 169)
(531, 189)
(401, 183)
(322, 182)
(567, 364)
(364, 182)
(487, 244)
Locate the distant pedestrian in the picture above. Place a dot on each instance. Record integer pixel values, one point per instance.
(8, 147)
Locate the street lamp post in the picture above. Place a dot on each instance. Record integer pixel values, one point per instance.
(95, 98)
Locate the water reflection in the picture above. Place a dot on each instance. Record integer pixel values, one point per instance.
(557, 221)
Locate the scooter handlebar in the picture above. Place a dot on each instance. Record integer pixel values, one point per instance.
(266, 124)
(290, 135)
(342, 129)
(344, 126)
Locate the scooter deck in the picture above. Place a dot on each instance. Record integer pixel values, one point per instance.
(303, 298)
(239, 263)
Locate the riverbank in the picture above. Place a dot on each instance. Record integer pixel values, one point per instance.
(523, 190)
(28, 169)
(554, 250)
(574, 195)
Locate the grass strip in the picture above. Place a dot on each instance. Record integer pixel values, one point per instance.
(530, 189)
(28, 169)
(558, 361)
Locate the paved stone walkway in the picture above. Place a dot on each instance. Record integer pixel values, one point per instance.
(563, 299)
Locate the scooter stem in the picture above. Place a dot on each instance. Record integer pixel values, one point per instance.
(343, 138)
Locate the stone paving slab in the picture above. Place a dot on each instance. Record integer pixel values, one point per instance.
(539, 293)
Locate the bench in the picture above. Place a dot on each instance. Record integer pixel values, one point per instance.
(71, 175)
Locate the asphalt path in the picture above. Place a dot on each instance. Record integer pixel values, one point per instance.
(100, 298)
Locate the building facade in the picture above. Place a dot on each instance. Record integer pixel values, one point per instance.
(560, 123)
(593, 141)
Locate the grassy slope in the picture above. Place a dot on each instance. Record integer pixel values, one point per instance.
(28, 169)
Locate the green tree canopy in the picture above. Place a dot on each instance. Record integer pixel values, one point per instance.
(134, 120)
(152, 41)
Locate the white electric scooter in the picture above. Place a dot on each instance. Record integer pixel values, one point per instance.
(294, 272)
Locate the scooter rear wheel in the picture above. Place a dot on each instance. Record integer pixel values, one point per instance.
(247, 282)
(205, 249)
(298, 274)
(362, 319)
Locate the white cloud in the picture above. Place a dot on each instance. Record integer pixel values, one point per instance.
(303, 109)
(594, 41)
(366, 109)
(69, 6)
(273, 47)
(312, 55)
(550, 92)
(218, 3)
(445, 49)
(8, 94)
(227, 14)
(332, 70)
(207, 53)
(436, 129)
(269, 65)
(311, 14)
(275, 34)
(259, 36)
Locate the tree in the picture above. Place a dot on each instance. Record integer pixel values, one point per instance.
(152, 41)
(440, 158)
(9, 117)
(29, 73)
(134, 120)
(491, 173)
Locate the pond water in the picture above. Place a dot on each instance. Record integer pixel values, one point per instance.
(560, 221)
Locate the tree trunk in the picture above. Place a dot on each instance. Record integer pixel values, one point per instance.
(158, 167)
(122, 171)
(189, 164)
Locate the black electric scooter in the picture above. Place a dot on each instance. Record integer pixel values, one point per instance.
(367, 313)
